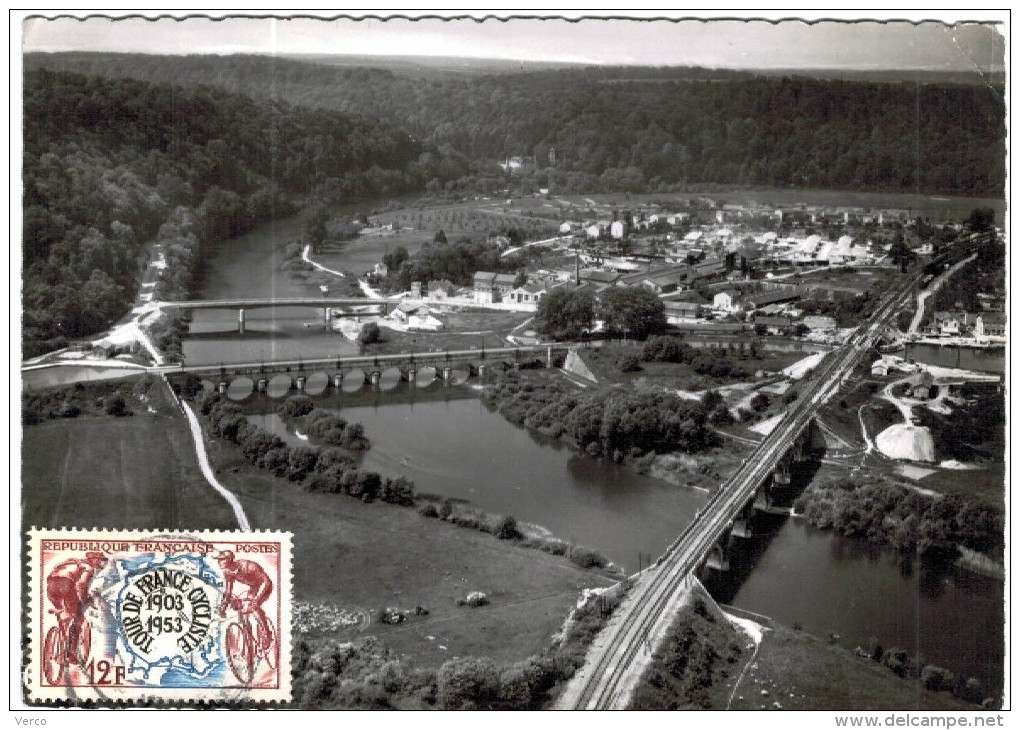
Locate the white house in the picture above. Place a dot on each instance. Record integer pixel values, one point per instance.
(528, 294)
(566, 227)
(616, 229)
(593, 231)
(416, 316)
(727, 301)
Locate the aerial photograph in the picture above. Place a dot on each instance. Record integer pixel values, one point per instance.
(520, 363)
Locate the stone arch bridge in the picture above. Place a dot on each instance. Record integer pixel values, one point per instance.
(371, 367)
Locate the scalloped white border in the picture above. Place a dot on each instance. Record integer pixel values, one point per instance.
(119, 696)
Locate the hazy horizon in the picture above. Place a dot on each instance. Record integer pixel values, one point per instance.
(731, 44)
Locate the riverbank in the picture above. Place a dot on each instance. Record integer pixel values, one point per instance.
(429, 562)
(794, 670)
(717, 658)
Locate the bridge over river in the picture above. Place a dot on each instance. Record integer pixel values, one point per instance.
(349, 306)
(623, 649)
(476, 361)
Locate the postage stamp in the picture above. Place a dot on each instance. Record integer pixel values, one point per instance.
(131, 616)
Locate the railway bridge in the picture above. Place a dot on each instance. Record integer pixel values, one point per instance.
(621, 651)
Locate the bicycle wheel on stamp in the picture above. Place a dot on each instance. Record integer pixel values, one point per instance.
(268, 636)
(53, 655)
(84, 643)
(240, 654)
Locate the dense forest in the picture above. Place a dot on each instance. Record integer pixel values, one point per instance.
(610, 129)
(112, 164)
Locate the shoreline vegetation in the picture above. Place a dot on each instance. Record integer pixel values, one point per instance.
(943, 528)
(333, 469)
(613, 423)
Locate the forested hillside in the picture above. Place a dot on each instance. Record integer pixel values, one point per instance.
(111, 164)
(602, 129)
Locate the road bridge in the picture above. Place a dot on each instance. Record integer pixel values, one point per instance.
(622, 651)
(349, 306)
(371, 367)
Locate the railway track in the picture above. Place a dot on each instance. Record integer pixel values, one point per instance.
(603, 682)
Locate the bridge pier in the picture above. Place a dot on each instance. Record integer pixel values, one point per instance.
(374, 378)
(763, 497)
(742, 525)
(718, 556)
(325, 317)
(447, 374)
(300, 382)
(412, 375)
(222, 387)
(548, 358)
(240, 321)
(338, 381)
(482, 369)
(261, 385)
(782, 473)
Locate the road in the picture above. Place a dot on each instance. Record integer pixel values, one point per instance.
(623, 649)
(922, 296)
(255, 302)
(375, 361)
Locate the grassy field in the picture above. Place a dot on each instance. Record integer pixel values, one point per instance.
(803, 672)
(366, 557)
(416, 226)
(867, 279)
(606, 360)
(140, 472)
(134, 472)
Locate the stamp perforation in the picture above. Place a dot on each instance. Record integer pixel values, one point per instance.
(252, 568)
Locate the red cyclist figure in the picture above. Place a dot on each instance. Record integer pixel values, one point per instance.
(67, 588)
(250, 574)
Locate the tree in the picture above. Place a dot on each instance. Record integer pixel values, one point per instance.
(467, 683)
(395, 258)
(936, 679)
(711, 400)
(296, 406)
(369, 333)
(440, 237)
(899, 253)
(981, 219)
(565, 313)
(116, 406)
(760, 402)
(316, 229)
(760, 329)
(633, 311)
(506, 528)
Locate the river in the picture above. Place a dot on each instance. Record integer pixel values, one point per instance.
(449, 443)
(982, 359)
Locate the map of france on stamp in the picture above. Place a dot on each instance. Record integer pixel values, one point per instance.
(131, 616)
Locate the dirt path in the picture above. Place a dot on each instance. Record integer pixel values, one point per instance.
(305, 257)
(207, 471)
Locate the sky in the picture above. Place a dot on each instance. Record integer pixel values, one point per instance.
(716, 43)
